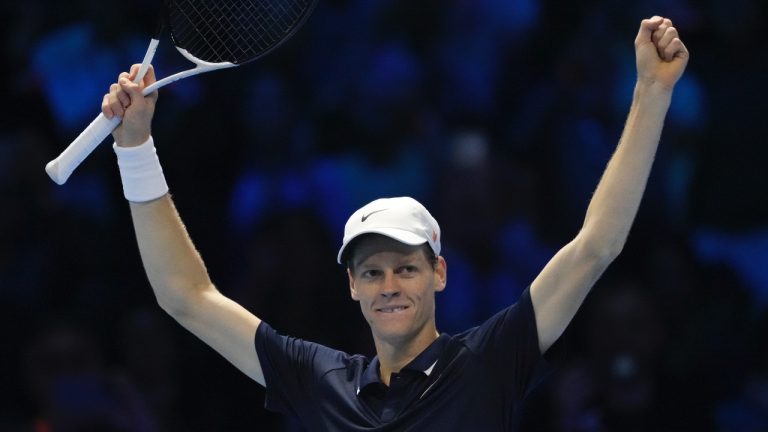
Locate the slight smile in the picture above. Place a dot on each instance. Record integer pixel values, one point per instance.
(391, 309)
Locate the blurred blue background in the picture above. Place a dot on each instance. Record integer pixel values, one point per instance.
(499, 115)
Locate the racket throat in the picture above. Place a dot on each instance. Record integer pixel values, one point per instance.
(201, 67)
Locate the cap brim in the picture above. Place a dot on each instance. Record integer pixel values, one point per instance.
(402, 236)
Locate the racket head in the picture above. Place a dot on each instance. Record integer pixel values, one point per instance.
(233, 31)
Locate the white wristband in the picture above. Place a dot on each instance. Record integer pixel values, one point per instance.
(140, 170)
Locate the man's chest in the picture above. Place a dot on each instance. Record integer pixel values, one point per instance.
(459, 396)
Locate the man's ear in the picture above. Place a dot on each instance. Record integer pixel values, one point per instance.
(352, 287)
(441, 271)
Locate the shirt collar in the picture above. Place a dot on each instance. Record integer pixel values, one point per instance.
(424, 362)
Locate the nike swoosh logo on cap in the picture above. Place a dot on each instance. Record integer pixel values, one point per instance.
(369, 214)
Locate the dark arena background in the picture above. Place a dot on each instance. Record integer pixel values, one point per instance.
(499, 115)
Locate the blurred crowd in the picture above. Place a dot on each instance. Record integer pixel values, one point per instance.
(499, 115)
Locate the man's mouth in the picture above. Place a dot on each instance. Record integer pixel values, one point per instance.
(391, 309)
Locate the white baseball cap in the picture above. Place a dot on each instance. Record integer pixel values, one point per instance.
(403, 219)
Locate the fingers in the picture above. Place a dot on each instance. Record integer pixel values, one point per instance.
(122, 96)
(133, 71)
(149, 77)
(119, 97)
(659, 30)
(106, 107)
(647, 27)
(129, 90)
(122, 93)
(114, 103)
(663, 35)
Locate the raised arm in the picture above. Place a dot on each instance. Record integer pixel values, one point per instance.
(561, 287)
(174, 267)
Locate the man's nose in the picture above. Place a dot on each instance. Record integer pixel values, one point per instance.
(390, 287)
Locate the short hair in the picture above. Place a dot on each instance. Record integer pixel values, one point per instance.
(349, 253)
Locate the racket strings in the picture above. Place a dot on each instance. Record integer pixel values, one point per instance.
(233, 31)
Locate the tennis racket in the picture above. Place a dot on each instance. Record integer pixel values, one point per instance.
(212, 34)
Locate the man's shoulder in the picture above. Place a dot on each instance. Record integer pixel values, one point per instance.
(506, 323)
(269, 340)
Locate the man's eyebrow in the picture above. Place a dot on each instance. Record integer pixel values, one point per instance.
(362, 263)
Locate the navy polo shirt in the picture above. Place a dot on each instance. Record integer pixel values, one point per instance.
(475, 380)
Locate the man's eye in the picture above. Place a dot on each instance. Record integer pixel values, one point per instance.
(407, 269)
(370, 273)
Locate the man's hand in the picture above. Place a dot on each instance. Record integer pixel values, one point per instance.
(126, 101)
(661, 55)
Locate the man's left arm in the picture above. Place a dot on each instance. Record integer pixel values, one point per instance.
(561, 287)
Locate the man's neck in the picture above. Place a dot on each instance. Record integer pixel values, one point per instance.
(393, 356)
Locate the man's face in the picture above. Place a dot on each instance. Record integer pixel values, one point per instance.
(395, 285)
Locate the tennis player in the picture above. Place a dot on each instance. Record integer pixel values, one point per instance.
(420, 379)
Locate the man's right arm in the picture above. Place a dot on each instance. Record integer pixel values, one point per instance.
(183, 288)
(174, 267)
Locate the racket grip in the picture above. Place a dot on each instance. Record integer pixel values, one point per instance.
(62, 167)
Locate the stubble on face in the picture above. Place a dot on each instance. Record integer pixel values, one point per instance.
(395, 284)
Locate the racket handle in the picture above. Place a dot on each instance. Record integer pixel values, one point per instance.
(62, 167)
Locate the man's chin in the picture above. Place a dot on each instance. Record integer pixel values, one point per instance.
(393, 334)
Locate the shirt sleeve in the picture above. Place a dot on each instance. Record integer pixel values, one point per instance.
(509, 343)
(291, 368)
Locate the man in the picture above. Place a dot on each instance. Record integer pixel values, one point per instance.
(420, 379)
